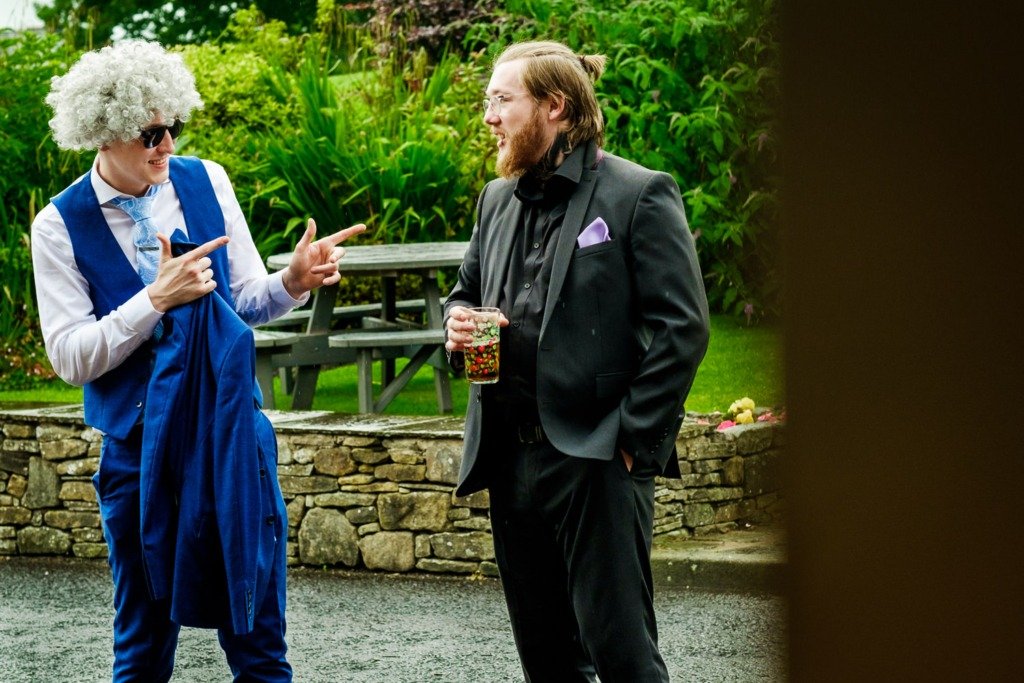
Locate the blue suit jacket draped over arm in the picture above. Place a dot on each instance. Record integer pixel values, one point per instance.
(207, 487)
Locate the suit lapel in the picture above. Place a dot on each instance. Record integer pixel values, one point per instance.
(571, 226)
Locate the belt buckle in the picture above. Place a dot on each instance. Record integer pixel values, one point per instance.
(530, 433)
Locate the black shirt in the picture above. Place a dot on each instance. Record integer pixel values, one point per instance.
(526, 286)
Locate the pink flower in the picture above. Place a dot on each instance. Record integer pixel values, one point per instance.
(772, 418)
(724, 424)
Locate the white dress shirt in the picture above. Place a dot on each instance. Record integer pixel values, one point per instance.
(82, 347)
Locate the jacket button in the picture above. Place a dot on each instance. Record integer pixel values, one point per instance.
(270, 520)
(139, 404)
(263, 472)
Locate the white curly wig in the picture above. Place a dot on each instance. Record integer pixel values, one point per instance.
(112, 93)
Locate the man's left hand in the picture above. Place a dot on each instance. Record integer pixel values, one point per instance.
(315, 264)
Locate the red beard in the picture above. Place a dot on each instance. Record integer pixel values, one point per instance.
(525, 148)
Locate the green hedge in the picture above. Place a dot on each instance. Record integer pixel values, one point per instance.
(31, 171)
(691, 88)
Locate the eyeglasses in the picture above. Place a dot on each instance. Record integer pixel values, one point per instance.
(495, 103)
(151, 137)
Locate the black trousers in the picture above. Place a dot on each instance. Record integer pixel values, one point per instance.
(572, 538)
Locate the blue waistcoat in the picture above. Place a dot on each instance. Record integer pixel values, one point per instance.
(114, 401)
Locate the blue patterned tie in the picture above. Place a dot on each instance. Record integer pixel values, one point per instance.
(144, 234)
(147, 246)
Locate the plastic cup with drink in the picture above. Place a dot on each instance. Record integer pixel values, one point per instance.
(482, 353)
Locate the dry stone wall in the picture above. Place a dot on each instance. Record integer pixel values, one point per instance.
(368, 492)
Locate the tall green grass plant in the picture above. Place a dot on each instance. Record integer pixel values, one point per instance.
(396, 144)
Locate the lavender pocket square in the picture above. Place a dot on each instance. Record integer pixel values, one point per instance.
(595, 233)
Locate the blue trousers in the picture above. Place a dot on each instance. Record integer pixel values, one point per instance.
(145, 638)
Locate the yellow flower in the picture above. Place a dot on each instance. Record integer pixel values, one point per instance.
(745, 417)
(744, 404)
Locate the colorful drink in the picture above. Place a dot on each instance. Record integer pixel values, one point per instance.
(483, 354)
(482, 362)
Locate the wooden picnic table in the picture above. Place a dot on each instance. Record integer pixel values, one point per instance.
(312, 349)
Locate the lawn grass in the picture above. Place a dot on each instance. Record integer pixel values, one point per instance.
(741, 361)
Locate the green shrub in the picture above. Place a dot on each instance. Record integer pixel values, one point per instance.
(691, 89)
(32, 170)
(433, 25)
(241, 110)
(170, 23)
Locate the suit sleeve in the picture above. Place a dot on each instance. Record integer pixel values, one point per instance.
(672, 314)
(468, 290)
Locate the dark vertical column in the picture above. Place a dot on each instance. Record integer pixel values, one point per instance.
(903, 231)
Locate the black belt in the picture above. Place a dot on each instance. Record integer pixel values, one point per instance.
(521, 421)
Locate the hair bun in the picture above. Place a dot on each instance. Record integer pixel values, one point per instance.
(593, 65)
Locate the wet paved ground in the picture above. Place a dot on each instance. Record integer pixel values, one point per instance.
(55, 618)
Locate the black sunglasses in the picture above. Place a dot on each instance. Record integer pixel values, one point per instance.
(151, 137)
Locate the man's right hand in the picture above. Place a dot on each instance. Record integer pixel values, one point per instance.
(460, 328)
(185, 278)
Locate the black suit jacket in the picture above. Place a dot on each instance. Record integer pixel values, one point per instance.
(625, 322)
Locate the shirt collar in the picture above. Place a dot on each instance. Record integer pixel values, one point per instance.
(104, 190)
(561, 183)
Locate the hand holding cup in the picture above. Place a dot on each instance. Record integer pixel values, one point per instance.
(476, 332)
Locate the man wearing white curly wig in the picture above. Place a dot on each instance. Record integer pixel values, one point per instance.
(127, 260)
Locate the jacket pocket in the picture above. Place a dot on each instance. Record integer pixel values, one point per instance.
(596, 248)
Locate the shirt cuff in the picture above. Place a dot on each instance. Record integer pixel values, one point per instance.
(279, 295)
(139, 313)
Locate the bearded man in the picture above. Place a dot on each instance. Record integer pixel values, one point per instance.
(604, 322)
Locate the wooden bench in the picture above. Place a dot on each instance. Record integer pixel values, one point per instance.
(300, 317)
(298, 365)
(418, 345)
(269, 342)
